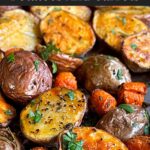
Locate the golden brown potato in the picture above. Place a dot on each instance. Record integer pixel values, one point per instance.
(48, 115)
(82, 12)
(7, 112)
(113, 27)
(92, 139)
(18, 30)
(136, 51)
(70, 34)
(139, 143)
(7, 8)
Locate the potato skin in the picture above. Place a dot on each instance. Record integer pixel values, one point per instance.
(139, 143)
(124, 125)
(7, 8)
(82, 12)
(113, 27)
(20, 80)
(137, 58)
(61, 28)
(95, 139)
(58, 113)
(18, 29)
(101, 71)
(7, 112)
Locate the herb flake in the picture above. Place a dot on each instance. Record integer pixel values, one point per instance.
(57, 9)
(11, 58)
(124, 21)
(8, 112)
(54, 67)
(126, 107)
(35, 116)
(48, 50)
(133, 46)
(71, 95)
(36, 64)
(119, 75)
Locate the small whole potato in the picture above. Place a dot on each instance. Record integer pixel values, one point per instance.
(23, 75)
(103, 72)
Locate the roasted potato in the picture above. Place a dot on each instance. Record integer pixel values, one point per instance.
(90, 138)
(103, 72)
(82, 12)
(113, 27)
(18, 30)
(61, 28)
(7, 8)
(64, 62)
(52, 112)
(1, 55)
(23, 75)
(139, 143)
(8, 141)
(7, 112)
(125, 122)
(136, 52)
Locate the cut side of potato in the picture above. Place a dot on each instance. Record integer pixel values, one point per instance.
(69, 33)
(94, 139)
(113, 27)
(136, 52)
(82, 12)
(51, 113)
(18, 30)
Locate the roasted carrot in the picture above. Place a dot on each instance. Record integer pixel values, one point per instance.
(132, 93)
(67, 80)
(102, 102)
(139, 143)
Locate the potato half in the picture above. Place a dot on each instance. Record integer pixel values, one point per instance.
(95, 139)
(69, 33)
(18, 30)
(113, 27)
(82, 12)
(52, 112)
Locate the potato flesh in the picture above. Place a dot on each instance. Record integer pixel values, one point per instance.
(113, 27)
(69, 33)
(95, 139)
(57, 110)
(82, 12)
(18, 30)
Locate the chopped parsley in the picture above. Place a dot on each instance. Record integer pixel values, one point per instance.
(56, 9)
(11, 58)
(119, 74)
(36, 65)
(133, 46)
(71, 95)
(54, 67)
(70, 142)
(126, 107)
(8, 112)
(35, 116)
(124, 21)
(48, 50)
(32, 102)
(147, 130)
(113, 31)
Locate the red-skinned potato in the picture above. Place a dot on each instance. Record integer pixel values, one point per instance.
(24, 76)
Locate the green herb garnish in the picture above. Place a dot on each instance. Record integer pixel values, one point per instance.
(36, 65)
(147, 130)
(32, 102)
(124, 21)
(119, 75)
(57, 9)
(71, 95)
(126, 107)
(133, 46)
(70, 142)
(35, 116)
(54, 67)
(8, 112)
(48, 50)
(113, 31)
(11, 58)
